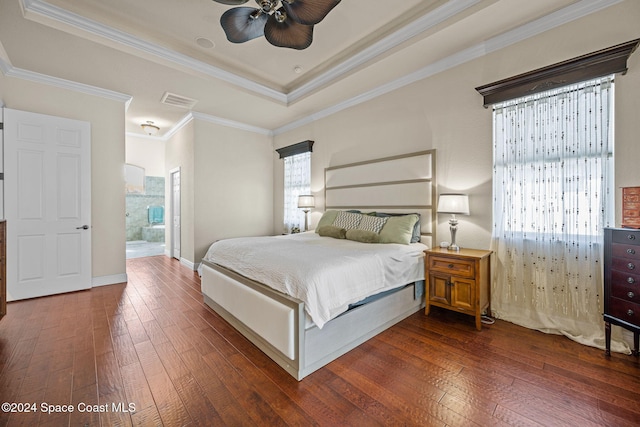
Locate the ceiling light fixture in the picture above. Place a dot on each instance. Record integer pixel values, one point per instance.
(290, 25)
(149, 128)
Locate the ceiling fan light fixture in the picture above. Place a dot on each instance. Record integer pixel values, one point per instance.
(290, 25)
(309, 12)
(288, 33)
(242, 24)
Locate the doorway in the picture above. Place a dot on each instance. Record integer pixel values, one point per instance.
(175, 213)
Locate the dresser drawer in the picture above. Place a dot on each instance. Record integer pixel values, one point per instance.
(625, 310)
(624, 278)
(626, 237)
(626, 292)
(459, 267)
(618, 250)
(626, 265)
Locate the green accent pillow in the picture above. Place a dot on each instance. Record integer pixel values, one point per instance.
(398, 229)
(331, 231)
(327, 219)
(363, 236)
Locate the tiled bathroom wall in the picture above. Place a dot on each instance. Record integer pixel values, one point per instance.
(136, 206)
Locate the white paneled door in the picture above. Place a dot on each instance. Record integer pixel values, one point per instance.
(47, 204)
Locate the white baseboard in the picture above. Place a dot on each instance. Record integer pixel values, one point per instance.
(108, 280)
(190, 265)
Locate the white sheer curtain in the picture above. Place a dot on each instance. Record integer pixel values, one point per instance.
(553, 194)
(297, 181)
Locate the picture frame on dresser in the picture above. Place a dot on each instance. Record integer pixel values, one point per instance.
(631, 207)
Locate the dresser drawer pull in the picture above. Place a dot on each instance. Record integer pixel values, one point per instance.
(630, 312)
(631, 251)
(631, 237)
(631, 266)
(631, 280)
(631, 295)
(450, 266)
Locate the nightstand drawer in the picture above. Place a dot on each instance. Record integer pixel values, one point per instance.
(459, 267)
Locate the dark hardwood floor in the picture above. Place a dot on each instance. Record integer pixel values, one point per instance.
(150, 352)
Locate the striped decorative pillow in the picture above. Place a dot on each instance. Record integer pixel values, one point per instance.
(347, 220)
(372, 223)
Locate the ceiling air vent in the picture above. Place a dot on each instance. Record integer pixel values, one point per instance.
(178, 100)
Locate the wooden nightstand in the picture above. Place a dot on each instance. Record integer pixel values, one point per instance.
(458, 280)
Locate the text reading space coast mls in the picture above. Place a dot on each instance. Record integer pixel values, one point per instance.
(49, 408)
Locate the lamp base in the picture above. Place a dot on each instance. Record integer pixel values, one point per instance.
(453, 227)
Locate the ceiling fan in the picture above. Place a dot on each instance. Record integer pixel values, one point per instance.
(290, 25)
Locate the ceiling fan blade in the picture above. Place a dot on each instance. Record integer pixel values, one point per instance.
(240, 26)
(232, 2)
(308, 12)
(288, 33)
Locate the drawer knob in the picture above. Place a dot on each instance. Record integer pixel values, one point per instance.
(631, 237)
(631, 295)
(450, 266)
(631, 280)
(631, 251)
(630, 312)
(630, 266)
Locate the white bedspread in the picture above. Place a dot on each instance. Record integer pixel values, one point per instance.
(326, 274)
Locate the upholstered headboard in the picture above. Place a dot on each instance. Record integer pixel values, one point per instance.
(397, 184)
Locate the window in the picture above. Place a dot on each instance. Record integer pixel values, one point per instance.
(553, 195)
(297, 181)
(553, 161)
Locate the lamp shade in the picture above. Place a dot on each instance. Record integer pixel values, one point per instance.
(306, 201)
(453, 204)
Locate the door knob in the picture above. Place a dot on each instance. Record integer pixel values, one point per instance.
(84, 227)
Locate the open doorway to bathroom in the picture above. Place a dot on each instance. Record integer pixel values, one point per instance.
(145, 220)
(145, 196)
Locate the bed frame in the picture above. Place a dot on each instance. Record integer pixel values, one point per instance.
(276, 323)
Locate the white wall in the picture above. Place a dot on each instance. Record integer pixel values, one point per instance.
(148, 153)
(233, 185)
(445, 112)
(226, 184)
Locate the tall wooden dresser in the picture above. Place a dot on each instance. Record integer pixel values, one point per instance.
(3, 268)
(622, 282)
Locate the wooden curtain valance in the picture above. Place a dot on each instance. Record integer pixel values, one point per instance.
(597, 64)
(292, 150)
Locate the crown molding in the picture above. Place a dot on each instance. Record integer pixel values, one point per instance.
(575, 11)
(231, 123)
(59, 15)
(533, 28)
(404, 34)
(10, 71)
(424, 23)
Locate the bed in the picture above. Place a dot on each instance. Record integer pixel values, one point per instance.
(286, 311)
